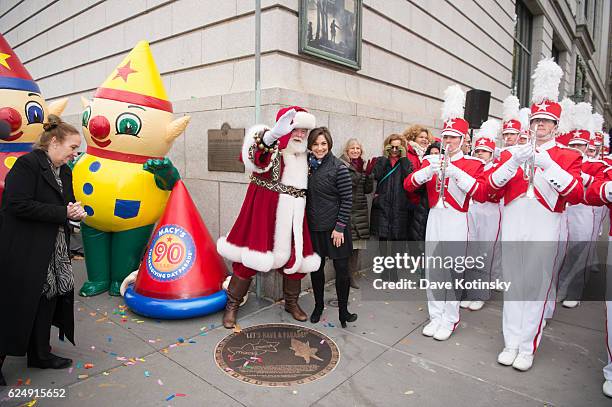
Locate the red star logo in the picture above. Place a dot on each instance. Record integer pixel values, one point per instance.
(577, 134)
(124, 71)
(481, 141)
(449, 123)
(542, 106)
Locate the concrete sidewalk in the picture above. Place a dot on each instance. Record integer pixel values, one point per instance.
(385, 361)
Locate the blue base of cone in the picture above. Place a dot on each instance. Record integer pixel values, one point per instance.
(174, 309)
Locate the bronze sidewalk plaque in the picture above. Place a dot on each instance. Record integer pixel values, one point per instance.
(224, 147)
(277, 355)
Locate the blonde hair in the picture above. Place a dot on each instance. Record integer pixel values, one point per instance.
(394, 137)
(413, 131)
(54, 128)
(348, 144)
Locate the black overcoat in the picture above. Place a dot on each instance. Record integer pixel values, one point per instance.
(33, 208)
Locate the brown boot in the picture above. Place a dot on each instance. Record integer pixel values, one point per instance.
(291, 290)
(236, 290)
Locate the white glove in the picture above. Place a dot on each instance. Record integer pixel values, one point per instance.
(520, 155)
(608, 190)
(425, 174)
(504, 173)
(463, 180)
(283, 126)
(543, 160)
(586, 179)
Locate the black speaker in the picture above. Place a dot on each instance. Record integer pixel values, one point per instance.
(477, 107)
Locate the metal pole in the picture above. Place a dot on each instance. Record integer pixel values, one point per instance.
(258, 282)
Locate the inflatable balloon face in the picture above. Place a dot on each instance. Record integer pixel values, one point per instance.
(22, 110)
(123, 180)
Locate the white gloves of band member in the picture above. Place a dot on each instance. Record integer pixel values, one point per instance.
(608, 191)
(462, 179)
(283, 126)
(553, 173)
(426, 173)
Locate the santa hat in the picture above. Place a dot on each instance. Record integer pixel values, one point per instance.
(524, 119)
(302, 120)
(485, 139)
(582, 124)
(546, 80)
(510, 115)
(13, 75)
(136, 80)
(452, 112)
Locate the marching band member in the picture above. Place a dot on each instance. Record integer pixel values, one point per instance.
(484, 220)
(511, 126)
(460, 179)
(534, 202)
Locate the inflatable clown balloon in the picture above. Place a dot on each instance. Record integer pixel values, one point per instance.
(123, 180)
(181, 275)
(22, 110)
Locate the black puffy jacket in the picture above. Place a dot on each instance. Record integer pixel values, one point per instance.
(362, 185)
(391, 210)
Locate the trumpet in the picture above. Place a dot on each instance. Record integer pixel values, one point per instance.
(441, 180)
(529, 165)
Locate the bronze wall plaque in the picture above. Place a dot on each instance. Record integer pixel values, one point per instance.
(277, 355)
(224, 147)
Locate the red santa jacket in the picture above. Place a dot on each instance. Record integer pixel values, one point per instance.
(568, 159)
(453, 196)
(271, 231)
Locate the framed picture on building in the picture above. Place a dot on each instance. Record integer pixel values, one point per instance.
(331, 30)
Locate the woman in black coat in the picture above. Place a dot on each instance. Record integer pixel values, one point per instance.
(328, 211)
(37, 281)
(362, 185)
(391, 210)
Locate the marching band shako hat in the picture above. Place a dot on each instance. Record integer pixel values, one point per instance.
(181, 275)
(485, 139)
(452, 113)
(511, 120)
(546, 80)
(13, 75)
(136, 80)
(582, 124)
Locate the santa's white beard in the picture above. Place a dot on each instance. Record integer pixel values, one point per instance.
(295, 147)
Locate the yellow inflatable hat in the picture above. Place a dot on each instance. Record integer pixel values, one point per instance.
(136, 80)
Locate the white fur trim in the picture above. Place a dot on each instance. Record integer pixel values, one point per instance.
(260, 261)
(282, 230)
(311, 263)
(304, 120)
(246, 145)
(299, 206)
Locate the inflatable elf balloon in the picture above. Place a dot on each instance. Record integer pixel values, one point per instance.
(22, 110)
(123, 180)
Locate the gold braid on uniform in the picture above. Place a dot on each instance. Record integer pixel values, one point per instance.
(276, 186)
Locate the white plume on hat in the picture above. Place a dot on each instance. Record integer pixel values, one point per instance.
(583, 116)
(489, 129)
(454, 103)
(566, 121)
(546, 80)
(598, 121)
(524, 117)
(511, 108)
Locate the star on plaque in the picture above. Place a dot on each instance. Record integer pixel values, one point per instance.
(303, 350)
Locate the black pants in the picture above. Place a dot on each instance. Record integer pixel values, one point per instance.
(342, 283)
(39, 346)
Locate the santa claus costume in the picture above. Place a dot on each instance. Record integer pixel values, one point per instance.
(447, 221)
(271, 231)
(534, 214)
(484, 222)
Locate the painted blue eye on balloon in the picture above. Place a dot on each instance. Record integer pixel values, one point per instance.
(34, 112)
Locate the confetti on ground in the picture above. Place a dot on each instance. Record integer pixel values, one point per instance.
(181, 340)
(204, 334)
(19, 382)
(83, 376)
(109, 339)
(160, 382)
(93, 348)
(151, 341)
(322, 341)
(79, 365)
(70, 370)
(294, 392)
(389, 364)
(105, 373)
(409, 392)
(88, 365)
(170, 397)
(28, 381)
(147, 374)
(180, 395)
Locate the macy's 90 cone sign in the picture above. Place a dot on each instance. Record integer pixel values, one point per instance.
(181, 275)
